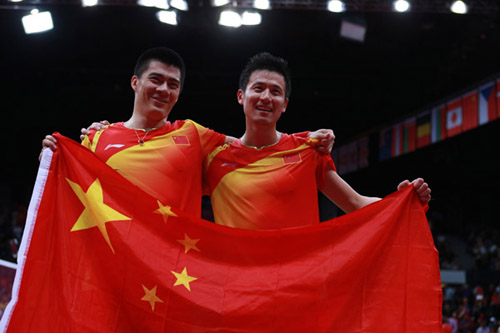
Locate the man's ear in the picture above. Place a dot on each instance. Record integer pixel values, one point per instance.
(284, 106)
(240, 96)
(133, 82)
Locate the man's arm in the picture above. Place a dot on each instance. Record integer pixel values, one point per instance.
(342, 194)
(346, 198)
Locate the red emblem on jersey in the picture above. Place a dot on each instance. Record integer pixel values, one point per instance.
(180, 140)
(290, 159)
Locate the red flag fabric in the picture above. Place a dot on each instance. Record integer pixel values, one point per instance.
(100, 255)
(470, 103)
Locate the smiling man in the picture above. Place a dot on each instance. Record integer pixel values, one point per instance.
(162, 158)
(268, 179)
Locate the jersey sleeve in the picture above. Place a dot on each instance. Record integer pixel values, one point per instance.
(209, 139)
(302, 134)
(325, 163)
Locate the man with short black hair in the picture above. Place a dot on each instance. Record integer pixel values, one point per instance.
(268, 179)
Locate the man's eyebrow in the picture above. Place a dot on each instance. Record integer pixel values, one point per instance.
(160, 74)
(272, 85)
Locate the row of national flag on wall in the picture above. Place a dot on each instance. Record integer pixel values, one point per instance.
(468, 111)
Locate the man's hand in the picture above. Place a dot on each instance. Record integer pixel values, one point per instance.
(423, 190)
(93, 127)
(325, 138)
(49, 142)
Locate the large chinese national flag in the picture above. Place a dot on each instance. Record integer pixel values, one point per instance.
(100, 255)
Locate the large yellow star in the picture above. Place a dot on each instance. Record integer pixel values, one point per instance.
(183, 278)
(165, 211)
(189, 243)
(150, 296)
(96, 212)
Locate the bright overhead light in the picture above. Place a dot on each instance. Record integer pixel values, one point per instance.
(230, 18)
(220, 3)
(336, 6)
(179, 4)
(251, 18)
(16, 0)
(401, 6)
(162, 4)
(459, 7)
(89, 3)
(167, 16)
(37, 22)
(262, 4)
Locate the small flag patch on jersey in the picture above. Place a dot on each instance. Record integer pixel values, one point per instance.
(180, 140)
(290, 159)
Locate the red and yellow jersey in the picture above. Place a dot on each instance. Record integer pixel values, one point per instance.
(167, 166)
(272, 188)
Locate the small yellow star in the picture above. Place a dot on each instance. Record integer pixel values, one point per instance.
(165, 211)
(96, 212)
(150, 296)
(189, 243)
(183, 278)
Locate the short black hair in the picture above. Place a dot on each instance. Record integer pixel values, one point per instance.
(266, 61)
(163, 55)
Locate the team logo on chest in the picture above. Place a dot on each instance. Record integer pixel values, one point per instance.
(181, 140)
(292, 158)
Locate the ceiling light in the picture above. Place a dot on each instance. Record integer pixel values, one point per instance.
(251, 18)
(336, 6)
(162, 4)
(262, 4)
(220, 3)
(89, 3)
(459, 7)
(37, 22)
(179, 4)
(167, 16)
(230, 18)
(401, 6)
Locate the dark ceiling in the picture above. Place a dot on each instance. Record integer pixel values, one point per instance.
(79, 72)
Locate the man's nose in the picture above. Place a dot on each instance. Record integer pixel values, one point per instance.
(265, 95)
(163, 87)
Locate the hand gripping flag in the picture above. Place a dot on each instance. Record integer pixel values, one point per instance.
(100, 255)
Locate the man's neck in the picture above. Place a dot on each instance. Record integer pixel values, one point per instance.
(142, 123)
(259, 138)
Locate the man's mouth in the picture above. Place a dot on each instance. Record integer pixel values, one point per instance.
(264, 108)
(159, 100)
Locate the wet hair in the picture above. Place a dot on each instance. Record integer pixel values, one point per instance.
(266, 61)
(162, 54)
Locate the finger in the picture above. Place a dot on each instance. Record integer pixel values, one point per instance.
(104, 122)
(422, 188)
(417, 182)
(403, 184)
(49, 142)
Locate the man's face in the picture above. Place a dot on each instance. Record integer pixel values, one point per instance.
(264, 97)
(157, 90)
